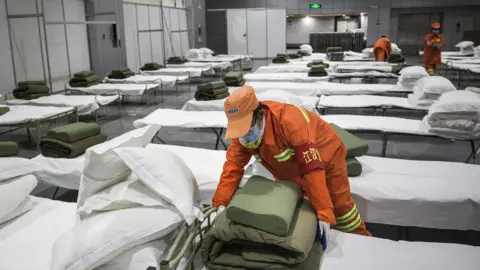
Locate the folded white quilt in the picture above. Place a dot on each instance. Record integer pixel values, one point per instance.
(452, 131)
(461, 105)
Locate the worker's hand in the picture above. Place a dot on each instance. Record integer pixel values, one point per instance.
(323, 233)
(429, 43)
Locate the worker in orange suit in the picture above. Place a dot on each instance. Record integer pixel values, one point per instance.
(382, 48)
(294, 145)
(432, 52)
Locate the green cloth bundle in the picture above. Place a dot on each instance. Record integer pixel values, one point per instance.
(317, 71)
(284, 55)
(121, 73)
(31, 90)
(26, 83)
(74, 132)
(318, 63)
(58, 149)
(84, 79)
(336, 56)
(176, 60)
(303, 53)
(354, 167)
(265, 205)
(356, 147)
(4, 110)
(294, 55)
(334, 49)
(211, 86)
(396, 58)
(234, 79)
(8, 149)
(212, 91)
(230, 245)
(151, 66)
(280, 60)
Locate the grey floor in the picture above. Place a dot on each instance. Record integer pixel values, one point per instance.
(404, 147)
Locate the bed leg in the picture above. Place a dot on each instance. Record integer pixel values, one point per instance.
(55, 193)
(473, 154)
(29, 136)
(219, 138)
(384, 147)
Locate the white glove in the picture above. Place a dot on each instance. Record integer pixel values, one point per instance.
(324, 230)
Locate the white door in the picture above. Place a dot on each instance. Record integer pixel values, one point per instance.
(257, 33)
(237, 31)
(276, 31)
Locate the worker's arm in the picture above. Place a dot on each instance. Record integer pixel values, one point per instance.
(428, 42)
(298, 130)
(233, 170)
(389, 47)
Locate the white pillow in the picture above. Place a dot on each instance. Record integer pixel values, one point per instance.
(457, 101)
(473, 89)
(435, 85)
(11, 167)
(100, 238)
(367, 50)
(94, 177)
(414, 72)
(280, 96)
(129, 193)
(166, 174)
(464, 44)
(13, 192)
(206, 50)
(23, 207)
(396, 49)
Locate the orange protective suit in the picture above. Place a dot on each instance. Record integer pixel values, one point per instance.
(294, 139)
(432, 51)
(382, 49)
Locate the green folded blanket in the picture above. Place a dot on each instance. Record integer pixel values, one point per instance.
(396, 58)
(80, 84)
(230, 245)
(234, 76)
(27, 96)
(211, 86)
(212, 94)
(150, 68)
(25, 83)
(354, 167)
(74, 132)
(318, 63)
(294, 55)
(58, 149)
(303, 53)
(235, 83)
(265, 205)
(356, 147)
(33, 89)
(284, 55)
(84, 74)
(177, 60)
(334, 49)
(4, 110)
(8, 149)
(280, 60)
(121, 74)
(85, 80)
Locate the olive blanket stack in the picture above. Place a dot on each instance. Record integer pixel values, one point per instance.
(31, 90)
(84, 79)
(234, 78)
(317, 71)
(356, 147)
(71, 140)
(151, 66)
(177, 60)
(318, 63)
(8, 149)
(212, 91)
(336, 56)
(280, 59)
(121, 73)
(267, 225)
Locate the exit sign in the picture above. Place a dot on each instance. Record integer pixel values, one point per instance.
(315, 6)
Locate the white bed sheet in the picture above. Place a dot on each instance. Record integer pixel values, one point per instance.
(222, 58)
(125, 89)
(283, 77)
(26, 242)
(462, 61)
(85, 104)
(330, 89)
(165, 81)
(184, 119)
(191, 72)
(21, 114)
(360, 68)
(364, 101)
(472, 67)
(283, 68)
(300, 89)
(221, 65)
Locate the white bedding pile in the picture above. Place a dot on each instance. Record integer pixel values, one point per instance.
(429, 89)
(306, 48)
(466, 47)
(473, 89)
(368, 53)
(455, 115)
(396, 49)
(476, 52)
(410, 75)
(129, 196)
(199, 54)
(187, 71)
(164, 81)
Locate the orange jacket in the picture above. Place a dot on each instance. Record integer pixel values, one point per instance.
(384, 44)
(432, 55)
(288, 129)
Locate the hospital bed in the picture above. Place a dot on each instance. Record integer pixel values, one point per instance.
(239, 62)
(84, 104)
(340, 68)
(304, 78)
(193, 73)
(220, 68)
(367, 102)
(384, 125)
(124, 90)
(26, 116)
(330, 89)
(466, 69)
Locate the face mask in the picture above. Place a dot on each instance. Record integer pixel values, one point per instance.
(253, 135)
(436, 32)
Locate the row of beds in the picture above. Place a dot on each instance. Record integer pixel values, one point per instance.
(390, 191)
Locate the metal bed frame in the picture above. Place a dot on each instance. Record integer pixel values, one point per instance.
(218, 132)
(37, 124)
(186, 241)
(384, 109)
(449, 68)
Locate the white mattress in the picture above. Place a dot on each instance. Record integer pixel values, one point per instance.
(222, 58)
(26, 242)
(378, 123)
(329, 88)
(184, 119)
(165, 81)
(84, 104)
(462, 61)
(471, 67)
(365, 101)
(308, 103)
(359, 63)
(300, 89)
(125, 89)
(282, 77)
(283, 68)
(190, 72)
(21, 114)
(363, 74)
(360, 68)
(203, 64)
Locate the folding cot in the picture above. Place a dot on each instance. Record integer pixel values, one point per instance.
(239, 62)
(468, 67)
(367, 101)
(384, 125)
(26, 116)
(193, 73)
(303, 77)
(360, 68)
(220, 68)
(85, 104)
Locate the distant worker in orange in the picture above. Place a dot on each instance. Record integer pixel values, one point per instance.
(294, 145)
(432, 52)
(382, 48)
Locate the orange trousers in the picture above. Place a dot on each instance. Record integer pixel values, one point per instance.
(380, 54)
(345, 210)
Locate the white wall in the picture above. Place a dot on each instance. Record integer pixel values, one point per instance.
(151, 36)
(27, 44)
(166, 3)
(299, 29)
